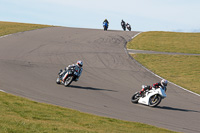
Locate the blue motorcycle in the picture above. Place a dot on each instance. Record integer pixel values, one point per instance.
(105, 26)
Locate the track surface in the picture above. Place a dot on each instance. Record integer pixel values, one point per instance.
(30, 61)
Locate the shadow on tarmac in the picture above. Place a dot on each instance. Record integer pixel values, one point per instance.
(90, 88)
(176, 109)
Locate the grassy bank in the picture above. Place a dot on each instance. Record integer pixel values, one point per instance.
(11, 27)
(19, 115)
(180, 69)
(167, 42)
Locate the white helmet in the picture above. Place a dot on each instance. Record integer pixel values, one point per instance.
(164, 82)
(79, 63)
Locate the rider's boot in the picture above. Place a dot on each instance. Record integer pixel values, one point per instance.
(76, 79)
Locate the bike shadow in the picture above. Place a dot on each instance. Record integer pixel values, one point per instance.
(90, 88)
(176, 109)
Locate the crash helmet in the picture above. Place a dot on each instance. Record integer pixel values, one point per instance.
(79, 63)
(164, 82)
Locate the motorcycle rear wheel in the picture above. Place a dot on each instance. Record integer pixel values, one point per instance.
(105, 28)
(154, 100)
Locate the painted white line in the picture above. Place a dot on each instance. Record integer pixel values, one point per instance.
(2, 90)
(136, 35)
(5, 36)
(11, 34)
(19, 32)
(171, 82)
(160, 76)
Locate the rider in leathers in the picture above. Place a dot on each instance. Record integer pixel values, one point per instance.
(78, 70)
(123, 24)
(106, 21)
(162, 83)
(128, 26)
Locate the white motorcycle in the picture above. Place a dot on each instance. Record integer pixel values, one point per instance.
(151, 97)
(71, 75)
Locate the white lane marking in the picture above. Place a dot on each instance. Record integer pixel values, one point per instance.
(2, 90)
(136, 35)
(5, 36)
(170, 82)
(161, 77)
(11, 34)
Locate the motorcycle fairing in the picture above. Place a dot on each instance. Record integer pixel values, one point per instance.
(148, 94)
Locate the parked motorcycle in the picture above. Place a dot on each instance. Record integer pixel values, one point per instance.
(70, 75)
(105, 26)
(151, 97)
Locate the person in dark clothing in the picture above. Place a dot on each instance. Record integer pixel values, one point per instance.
(163, 83)
(123, 24)
(106, 21)
(105, 24)
(128, 26)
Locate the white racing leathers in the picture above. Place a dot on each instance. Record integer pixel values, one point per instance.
(78, 71)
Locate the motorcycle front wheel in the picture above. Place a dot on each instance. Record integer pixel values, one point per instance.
(58, 80)
(68, 81)
(135, 98)
(154, 100)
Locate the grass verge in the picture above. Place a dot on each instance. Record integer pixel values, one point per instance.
(167, 42)
(180, 69)
(11, 27)
(19, 115)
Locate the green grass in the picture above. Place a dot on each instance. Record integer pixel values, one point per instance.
(11, 27)
(167, 42)
(19, 115)
(180, 69)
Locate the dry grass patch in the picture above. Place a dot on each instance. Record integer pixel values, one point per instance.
(11, 27)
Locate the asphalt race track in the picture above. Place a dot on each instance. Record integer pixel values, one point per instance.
(30, 61)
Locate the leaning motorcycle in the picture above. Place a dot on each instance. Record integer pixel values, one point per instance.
(124, 27)
(70, 75)
(105, 26)
(151, 97)
(129, 27)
